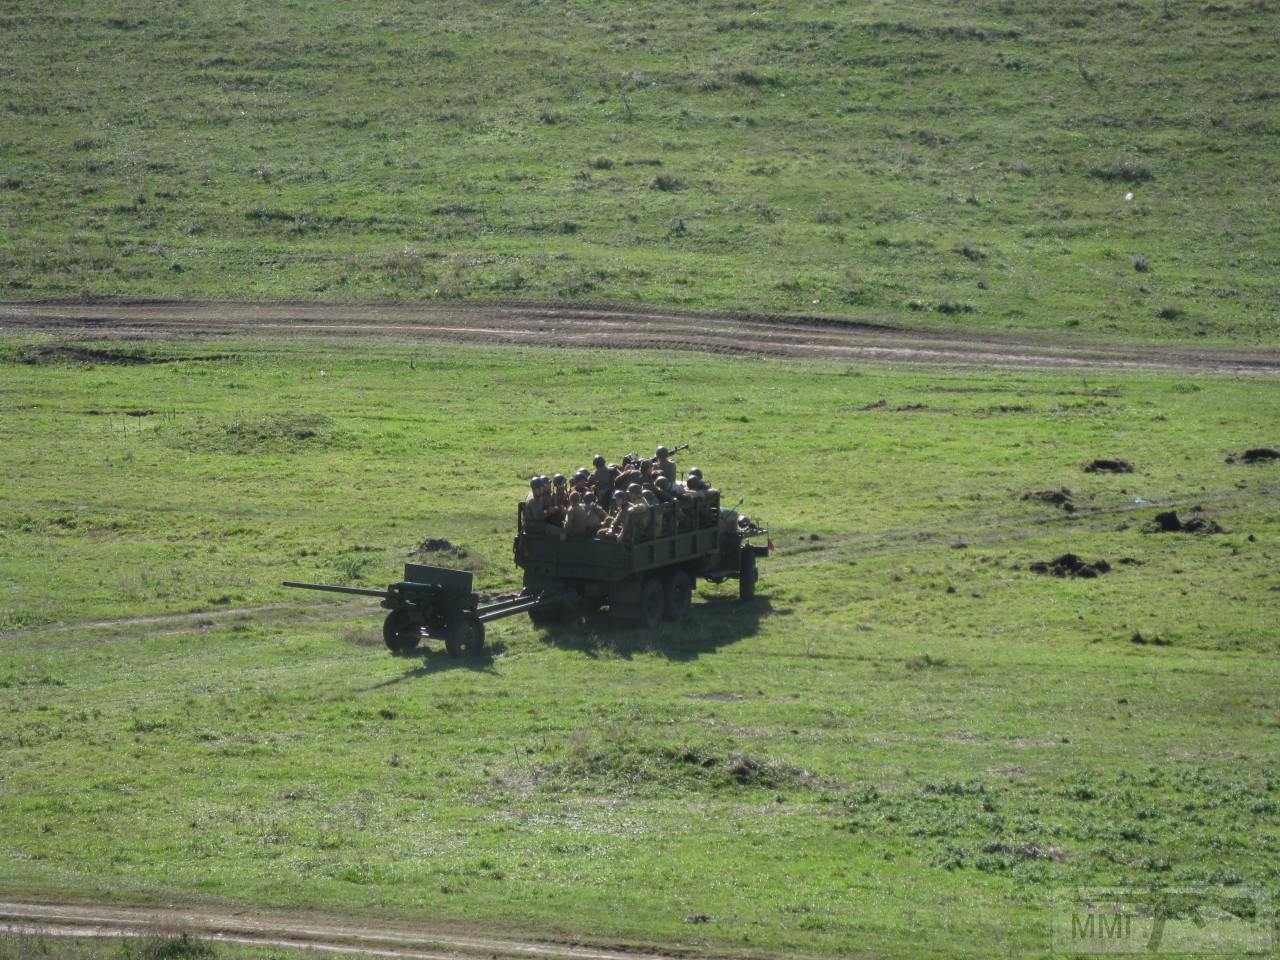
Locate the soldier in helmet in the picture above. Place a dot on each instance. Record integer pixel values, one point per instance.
(694, 481)
(560, 492)
(621, 506)
(535, 515)
(575, 518)
(638, 521)
(663, 464)
(595, 515)
(664, 495)
(630, 474)
(663, 490)
(552, 513)
(602, 478)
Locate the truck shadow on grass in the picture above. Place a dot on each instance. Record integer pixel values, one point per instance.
(712, 623)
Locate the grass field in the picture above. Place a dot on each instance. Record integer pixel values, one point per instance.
(909, 738)
(958, 163)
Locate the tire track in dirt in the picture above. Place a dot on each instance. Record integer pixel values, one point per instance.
(348, 938)
(606, 326)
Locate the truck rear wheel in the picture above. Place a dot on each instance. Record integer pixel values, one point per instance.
(464, 637)
(747, 574)
(653, 601)
(551, 614)
(679, 596)
(400, 632)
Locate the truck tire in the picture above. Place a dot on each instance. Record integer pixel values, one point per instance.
(653, 601)
(400, 632)
(747, 574)
(464, 637)
(550, 615)
(679, 596)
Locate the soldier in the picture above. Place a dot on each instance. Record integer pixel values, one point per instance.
(664, 494)
(662, 490)
(638, 521)
(595, 515)
(627, 477)
(665, 465)
(575, 520)
(535, 515)
(551, 513)
(612, 529)
(560, 492)
(602, 478)
(694, 481)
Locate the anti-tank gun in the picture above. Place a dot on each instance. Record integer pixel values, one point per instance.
(435, 602)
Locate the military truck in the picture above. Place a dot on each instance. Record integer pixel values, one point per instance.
(648, 576)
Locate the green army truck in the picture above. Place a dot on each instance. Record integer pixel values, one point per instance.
(649, 575)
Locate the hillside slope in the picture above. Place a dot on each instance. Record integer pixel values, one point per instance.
(949, 163)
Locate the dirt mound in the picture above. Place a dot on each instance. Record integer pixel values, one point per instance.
(432, 545)
(1256, 455)
(1169, 522)
(1058, 498)
(1070, 565)
(1108, 466)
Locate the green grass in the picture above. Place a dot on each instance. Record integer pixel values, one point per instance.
(954, 163)
(909, 739)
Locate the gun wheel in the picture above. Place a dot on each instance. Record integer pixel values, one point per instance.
(400, 633)
(464, 637)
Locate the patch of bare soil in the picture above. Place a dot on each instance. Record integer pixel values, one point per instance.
(1070, 565)
(1108, 466)
(1169, 522)
(1057, 498)
(438, 545)
(1255, 455)
(609, 326)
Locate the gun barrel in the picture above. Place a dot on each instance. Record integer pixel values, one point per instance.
(332, 588)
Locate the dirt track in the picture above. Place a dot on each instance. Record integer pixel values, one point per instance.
(298, 931)
(577, 325)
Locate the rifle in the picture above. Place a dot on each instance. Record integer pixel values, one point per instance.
(674, 450)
